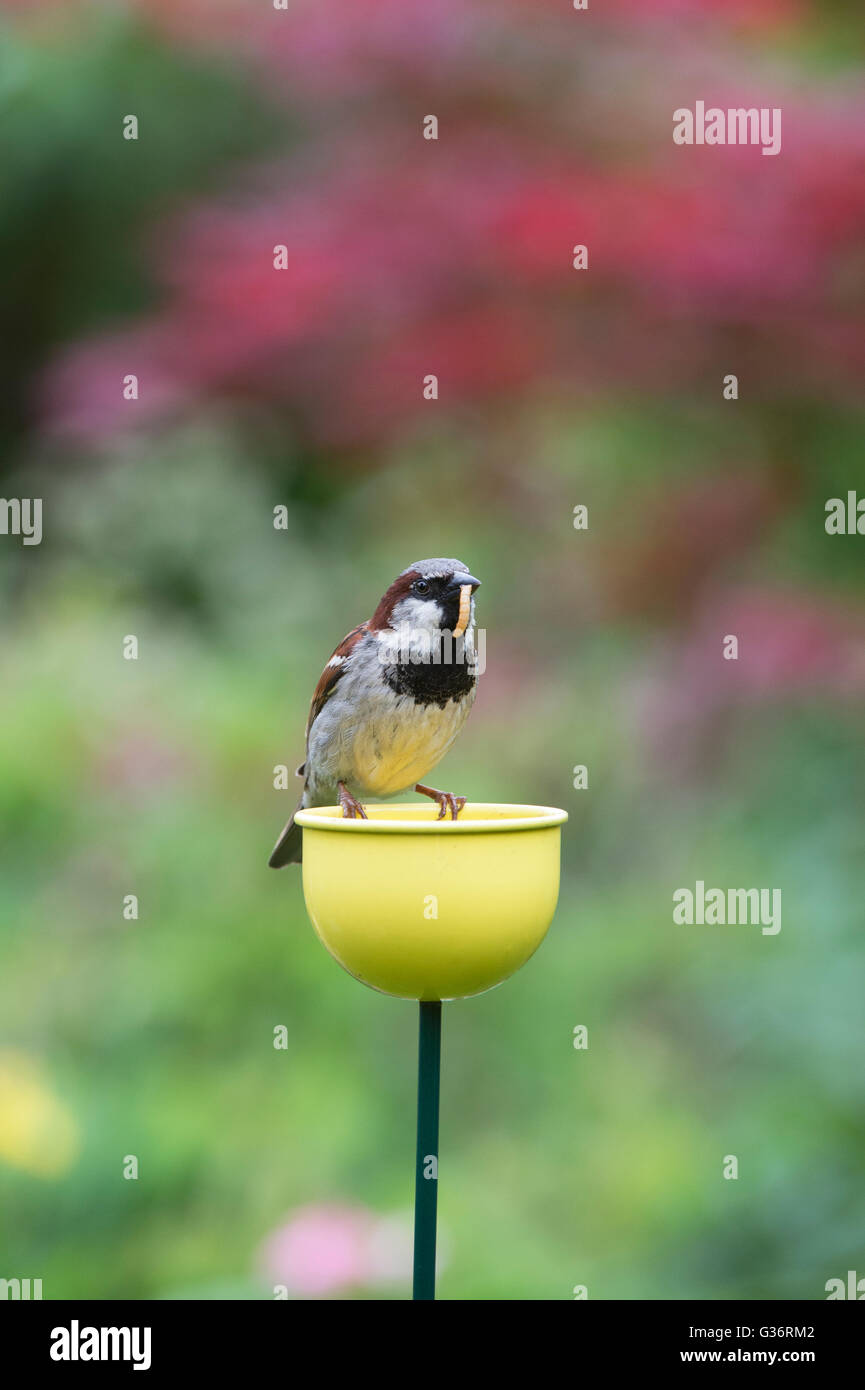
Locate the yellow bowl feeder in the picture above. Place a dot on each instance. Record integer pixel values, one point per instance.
(432, 909)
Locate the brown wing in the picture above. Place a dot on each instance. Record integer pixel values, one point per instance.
(332, 672)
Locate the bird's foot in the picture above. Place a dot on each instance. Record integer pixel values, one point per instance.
(351, 808)
(446, 800)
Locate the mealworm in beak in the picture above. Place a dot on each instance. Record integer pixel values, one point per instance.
(465, 609)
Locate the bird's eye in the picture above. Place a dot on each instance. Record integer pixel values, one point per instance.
(421, 586)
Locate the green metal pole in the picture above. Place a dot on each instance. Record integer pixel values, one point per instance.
(426, 1163)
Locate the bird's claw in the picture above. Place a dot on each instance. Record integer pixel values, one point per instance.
(351, 807)
(446, 801)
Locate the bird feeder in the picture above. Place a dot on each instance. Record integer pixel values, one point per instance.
(433, 910)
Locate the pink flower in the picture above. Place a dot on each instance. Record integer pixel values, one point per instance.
(792, 646)
(324, 1250)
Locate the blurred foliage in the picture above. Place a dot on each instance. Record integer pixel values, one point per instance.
(154, 777)
(75, 218)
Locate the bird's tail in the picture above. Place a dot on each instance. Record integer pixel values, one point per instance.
(289, 847)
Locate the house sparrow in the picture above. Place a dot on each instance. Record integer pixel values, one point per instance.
(392, 698)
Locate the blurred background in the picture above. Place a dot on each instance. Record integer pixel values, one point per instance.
(303, 388)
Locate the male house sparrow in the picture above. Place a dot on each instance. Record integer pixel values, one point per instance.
(392, 698)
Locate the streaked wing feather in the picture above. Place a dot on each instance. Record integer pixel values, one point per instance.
(331, 675)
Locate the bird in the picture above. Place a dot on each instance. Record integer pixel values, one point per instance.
(391, 699)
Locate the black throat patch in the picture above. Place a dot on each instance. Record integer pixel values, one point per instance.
(431, 682)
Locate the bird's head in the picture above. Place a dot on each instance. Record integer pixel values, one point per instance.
(429, 597)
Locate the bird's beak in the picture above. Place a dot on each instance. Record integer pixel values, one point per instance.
(460, 580)
(466, 585)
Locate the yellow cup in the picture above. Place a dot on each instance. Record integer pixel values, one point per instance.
(431, 909)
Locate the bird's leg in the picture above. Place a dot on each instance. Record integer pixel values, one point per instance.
(351, 808)
(446, 800)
